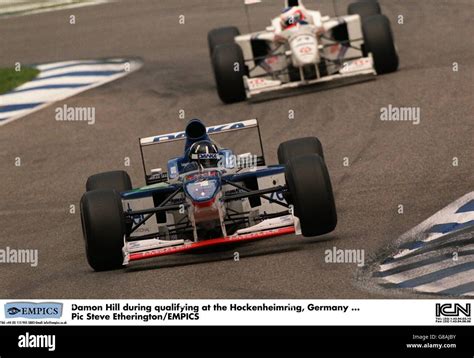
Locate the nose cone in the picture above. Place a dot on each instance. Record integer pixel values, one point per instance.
(304, 49)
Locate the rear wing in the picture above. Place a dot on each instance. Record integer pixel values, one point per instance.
(221, 128)
(211, 130)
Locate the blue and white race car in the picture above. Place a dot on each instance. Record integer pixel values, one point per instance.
(208, 196)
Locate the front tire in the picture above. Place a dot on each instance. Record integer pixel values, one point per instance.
(364, 9)
(298, 147)
(118, 180)
(103, 226)
(378, 39)
(310, 188)
(221, 36)
(229, 70)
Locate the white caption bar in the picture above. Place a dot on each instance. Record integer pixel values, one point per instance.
(242, 312)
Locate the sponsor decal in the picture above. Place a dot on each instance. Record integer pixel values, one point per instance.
(137, 219)
(210, 130)
(208, 156)
(360, 64)
(278, 195)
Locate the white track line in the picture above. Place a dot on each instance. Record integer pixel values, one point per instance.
(423, 235)
(51, 95)
(385, 267)
(447, 282)
(22, 10)
(62, 80)
(47, 66)
(83, 68)
(20, 112)
(426, 269)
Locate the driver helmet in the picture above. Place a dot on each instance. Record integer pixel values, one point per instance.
(205, 153)
(291, 16)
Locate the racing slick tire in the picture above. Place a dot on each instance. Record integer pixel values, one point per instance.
(378, 39)
(103, 227)
(118, 180)
(221, 36)
(298, 147)
(310, 188)
(364, 8)
(229, 70)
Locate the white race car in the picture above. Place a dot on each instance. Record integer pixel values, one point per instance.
(300, 48)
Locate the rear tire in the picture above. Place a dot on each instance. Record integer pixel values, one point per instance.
(103, 227)
(118, 180)
(364, 9)
(229, 70)
(378, 39)
(310, 188)
(221, 36)
(298, 147)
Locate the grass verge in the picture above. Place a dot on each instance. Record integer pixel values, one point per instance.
(10, 79)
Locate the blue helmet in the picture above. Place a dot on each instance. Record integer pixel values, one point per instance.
(205, 153)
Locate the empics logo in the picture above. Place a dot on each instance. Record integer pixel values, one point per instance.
(453, 313)
(32, 310)
(28, 340)
(13, 311)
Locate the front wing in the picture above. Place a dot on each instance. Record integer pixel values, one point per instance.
(186, 247)
(354, 71)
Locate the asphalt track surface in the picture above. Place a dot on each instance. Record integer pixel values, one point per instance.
(391, 163)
